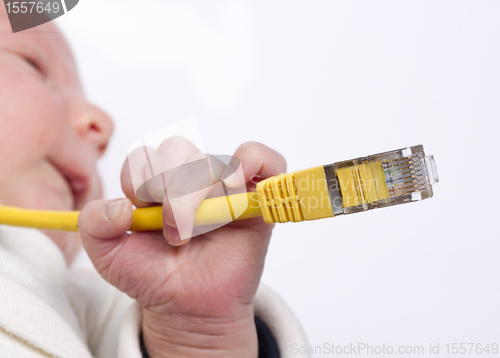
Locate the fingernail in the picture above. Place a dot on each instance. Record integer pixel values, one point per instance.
(115, 209)
(173, 235)
(227, 174)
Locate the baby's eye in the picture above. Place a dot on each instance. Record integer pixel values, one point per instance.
(34, 64)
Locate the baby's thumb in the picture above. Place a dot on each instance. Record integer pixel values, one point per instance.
(103, 225)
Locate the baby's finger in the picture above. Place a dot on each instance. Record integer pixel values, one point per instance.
(259, 161)
(187, 187)
(170, 155)
(141, 177)
(133, 175)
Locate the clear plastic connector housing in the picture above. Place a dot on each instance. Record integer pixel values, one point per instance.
(391, 178)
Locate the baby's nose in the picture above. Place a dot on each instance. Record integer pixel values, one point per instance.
(93, 124)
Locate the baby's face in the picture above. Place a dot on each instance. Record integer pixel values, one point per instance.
(50, 136)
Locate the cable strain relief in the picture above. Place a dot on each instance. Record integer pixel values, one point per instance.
(279, 200)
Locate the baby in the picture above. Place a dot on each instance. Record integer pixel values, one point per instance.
(198, 297)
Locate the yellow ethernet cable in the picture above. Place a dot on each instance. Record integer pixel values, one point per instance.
(379, 180)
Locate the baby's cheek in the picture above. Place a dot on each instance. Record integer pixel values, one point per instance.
(32, 116)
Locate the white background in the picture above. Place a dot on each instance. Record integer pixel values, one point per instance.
(325, 81)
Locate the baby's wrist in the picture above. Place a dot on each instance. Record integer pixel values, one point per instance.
(187, 336)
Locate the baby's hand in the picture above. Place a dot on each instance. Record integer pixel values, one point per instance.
(196, 295)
